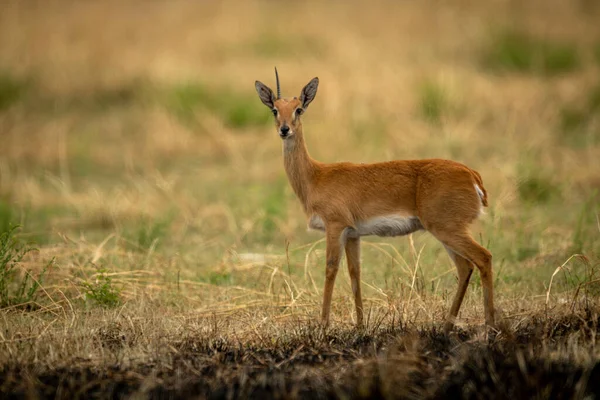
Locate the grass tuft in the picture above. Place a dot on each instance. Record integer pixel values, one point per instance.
(101, 290)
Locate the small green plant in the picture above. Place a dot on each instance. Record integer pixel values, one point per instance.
(102, 290)
(515, 51)
(433, 102)
(14, 289)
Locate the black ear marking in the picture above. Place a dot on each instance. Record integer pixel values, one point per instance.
(265, 94)
(309, 92)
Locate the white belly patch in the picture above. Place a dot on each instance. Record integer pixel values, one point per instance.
(389, 225)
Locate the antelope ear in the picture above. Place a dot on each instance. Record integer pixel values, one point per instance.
(266, 95)
(309, 92)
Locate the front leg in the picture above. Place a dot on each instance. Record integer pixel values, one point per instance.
(333, 255)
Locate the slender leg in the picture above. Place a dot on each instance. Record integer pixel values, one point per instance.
(353, 258)
(463, 245)
(333, 254)
(464, 268)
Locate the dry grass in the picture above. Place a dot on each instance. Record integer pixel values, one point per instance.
(263, 352)
(135, 153)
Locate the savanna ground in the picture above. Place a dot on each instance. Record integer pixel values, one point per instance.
(171, 257)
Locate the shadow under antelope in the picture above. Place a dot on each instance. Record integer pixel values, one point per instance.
(391, 198)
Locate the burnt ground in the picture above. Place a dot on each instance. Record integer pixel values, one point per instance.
(540, 358)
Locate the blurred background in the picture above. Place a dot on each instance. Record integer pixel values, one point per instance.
(135, 152)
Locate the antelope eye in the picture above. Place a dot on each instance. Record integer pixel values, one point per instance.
(299, 111)
(274, 111)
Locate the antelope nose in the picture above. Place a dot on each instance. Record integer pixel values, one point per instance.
(284, 130)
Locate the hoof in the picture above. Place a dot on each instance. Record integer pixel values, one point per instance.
(448, 327)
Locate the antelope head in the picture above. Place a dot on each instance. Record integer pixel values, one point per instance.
(287, 111)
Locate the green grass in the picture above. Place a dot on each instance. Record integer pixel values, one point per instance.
(149, 233)
(7, 216)
(18, 286)
(219, 278)
(537, 190)
(516, 51)
(150, 171)
(274, 206)
(535, 184)
(39, 222)
(236, 109)
(580, 123)
(105, 99)
(584, 237)
(36, 223)
(28, 92)
(433, 102)
(184, 100)
(12, 90)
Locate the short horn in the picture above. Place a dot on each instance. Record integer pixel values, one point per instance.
(278, 87)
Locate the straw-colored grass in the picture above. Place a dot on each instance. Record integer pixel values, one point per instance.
(135, 153)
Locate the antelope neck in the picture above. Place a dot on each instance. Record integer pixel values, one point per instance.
(299, 166)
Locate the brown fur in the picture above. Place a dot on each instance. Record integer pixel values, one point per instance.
(440, 193)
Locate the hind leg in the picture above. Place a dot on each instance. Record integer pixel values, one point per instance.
(464, 269)
(449, 204)
(461, 243)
